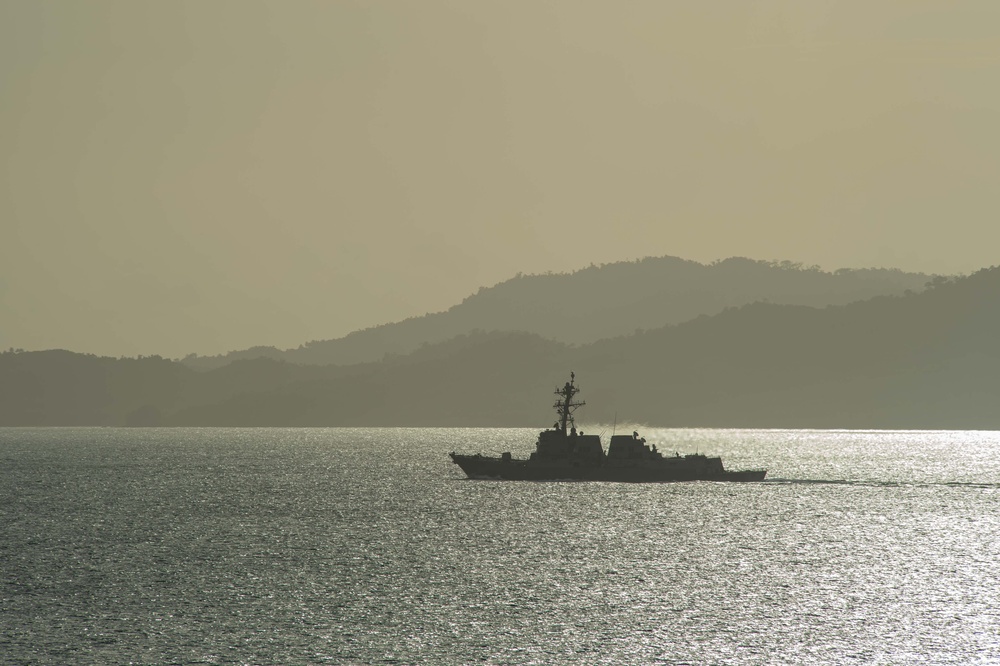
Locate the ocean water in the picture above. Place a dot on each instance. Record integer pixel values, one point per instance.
(367, 546)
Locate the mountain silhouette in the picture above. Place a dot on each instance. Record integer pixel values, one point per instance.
(917, 360)
(598, 302)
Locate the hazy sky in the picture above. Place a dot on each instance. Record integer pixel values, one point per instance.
(204, 176)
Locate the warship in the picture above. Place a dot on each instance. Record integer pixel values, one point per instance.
(563, 454)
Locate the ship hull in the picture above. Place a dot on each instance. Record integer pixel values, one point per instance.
(663, 471)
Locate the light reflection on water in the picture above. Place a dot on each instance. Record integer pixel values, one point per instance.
(368, 546)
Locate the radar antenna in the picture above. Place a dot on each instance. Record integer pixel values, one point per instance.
(565, 406)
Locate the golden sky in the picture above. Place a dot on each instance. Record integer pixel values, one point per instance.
(205, 176)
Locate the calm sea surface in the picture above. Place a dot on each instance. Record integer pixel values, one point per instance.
(367, 546)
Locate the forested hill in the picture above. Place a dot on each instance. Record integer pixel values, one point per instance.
(921, 360)
(599, 302)
(928, 360)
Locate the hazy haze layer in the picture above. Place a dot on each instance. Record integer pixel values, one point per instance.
(199, 177)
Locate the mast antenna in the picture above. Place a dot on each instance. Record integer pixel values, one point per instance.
(565, 406)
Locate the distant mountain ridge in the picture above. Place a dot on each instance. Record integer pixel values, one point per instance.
(598, 302)
(919, 360)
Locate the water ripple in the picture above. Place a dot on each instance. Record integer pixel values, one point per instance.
(366, 547)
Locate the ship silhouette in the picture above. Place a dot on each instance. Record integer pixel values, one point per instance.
(562, 453)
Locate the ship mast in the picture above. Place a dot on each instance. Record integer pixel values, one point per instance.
(565, 407)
